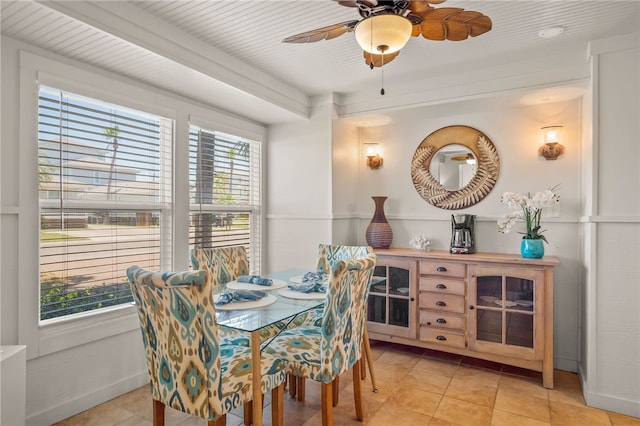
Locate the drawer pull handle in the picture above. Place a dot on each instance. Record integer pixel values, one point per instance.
(441, 321)
(441, 269)
(440, 303)
(441, 287)
(442, 338)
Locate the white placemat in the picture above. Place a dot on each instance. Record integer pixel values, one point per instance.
(253, 304)
(287, 292)
(298, 279)
(235, 285)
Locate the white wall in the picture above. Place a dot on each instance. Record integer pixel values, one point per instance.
(299, 186)
(76, 363)
(610, 359)
(515, 131)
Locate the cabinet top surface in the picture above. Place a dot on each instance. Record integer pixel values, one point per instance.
(480, 257)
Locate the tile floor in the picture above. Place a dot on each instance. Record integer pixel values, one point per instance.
(416, 387)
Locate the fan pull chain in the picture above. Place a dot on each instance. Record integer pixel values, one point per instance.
(382, 72)
(382, 48)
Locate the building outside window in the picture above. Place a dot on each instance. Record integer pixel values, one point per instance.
(105, 184)
(104, 177)
(224, 192)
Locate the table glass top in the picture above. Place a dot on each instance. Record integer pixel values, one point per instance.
(255, 319)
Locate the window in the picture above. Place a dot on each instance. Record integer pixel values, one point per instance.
(105, 200)
(224, 185)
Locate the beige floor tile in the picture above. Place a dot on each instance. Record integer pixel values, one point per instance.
(504, 418)
(397, 358)
(413, 389)
(462, 412)
(426, 381)
(566, 388)
(106, 414)
(393, 415)
(485, 377)
(416, 400)
(138, 421)
(622, 420)
(573, 415)
(440, 422)
(472, 391)
(522, 403)
(524, 385)
(440, 368)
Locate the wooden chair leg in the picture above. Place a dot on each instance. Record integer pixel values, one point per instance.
(357, 391)
(301, 388)
(292, 380)
(327, 409)
(158, 413)
(335, 390)
(277, 406)
(248, 413)
(222, 421)
(363, 366)
(369, 360)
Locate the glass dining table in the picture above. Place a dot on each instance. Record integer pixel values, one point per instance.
(281, 311)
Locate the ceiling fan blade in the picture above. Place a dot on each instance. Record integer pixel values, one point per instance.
(419, 7)
(355, 3)
(452, 23)
(378, 59)
(324, 33)
(347, 3)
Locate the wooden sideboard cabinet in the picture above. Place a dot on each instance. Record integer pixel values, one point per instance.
(492, 306)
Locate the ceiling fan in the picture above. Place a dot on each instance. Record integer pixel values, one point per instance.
(469, 157)
(388, 24)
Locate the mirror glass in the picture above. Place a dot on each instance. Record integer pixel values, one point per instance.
(453, 166)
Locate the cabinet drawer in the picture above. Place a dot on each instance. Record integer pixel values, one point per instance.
(442, 302)
(443, 268)
(443, 320)
(441, 337)
(442, 285)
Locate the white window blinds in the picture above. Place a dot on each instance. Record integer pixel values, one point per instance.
(224, 184)
(105, 200)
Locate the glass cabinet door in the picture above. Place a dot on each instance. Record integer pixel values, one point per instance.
(391, 305)
(504, 301)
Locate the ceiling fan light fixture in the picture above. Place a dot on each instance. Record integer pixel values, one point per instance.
(386, 33)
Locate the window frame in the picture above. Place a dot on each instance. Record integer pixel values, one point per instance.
(251, 207)
(68, 332)
(49, 97)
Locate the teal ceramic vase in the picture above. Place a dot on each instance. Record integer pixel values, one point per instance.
(532, 249)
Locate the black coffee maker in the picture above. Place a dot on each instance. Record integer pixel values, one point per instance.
(462, 233)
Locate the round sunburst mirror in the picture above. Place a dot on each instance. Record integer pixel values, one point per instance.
(455, 167)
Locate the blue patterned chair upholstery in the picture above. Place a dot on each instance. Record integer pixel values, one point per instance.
(223, 264)
(327, 254)
(189, 369)
(322, 356)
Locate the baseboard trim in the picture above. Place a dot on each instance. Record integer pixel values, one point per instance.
(616, 404)
(88, 400)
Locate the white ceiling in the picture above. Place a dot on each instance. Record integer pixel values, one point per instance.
(229, 53)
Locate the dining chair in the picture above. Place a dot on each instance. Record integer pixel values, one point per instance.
(328, 253)
(323, 356)
(223, 265)
(189, 368)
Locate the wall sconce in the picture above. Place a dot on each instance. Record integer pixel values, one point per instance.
(374, 159)
(551, 147)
